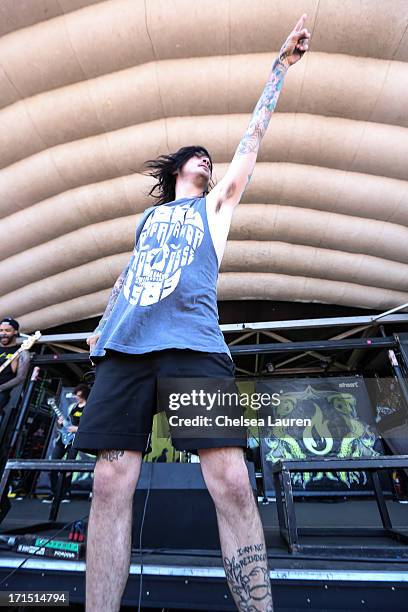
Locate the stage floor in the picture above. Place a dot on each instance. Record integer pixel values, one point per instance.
(351, 512)
(194, 579)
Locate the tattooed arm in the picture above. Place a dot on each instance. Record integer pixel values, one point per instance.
(230, 189)
(92, 340)
(23, 363)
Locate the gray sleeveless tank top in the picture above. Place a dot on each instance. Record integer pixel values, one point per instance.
(169, 297)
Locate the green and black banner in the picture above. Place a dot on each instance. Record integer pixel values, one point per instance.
(317, 418)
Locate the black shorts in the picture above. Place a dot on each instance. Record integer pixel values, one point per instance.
(123, 400)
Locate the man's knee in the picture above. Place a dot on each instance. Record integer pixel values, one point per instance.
(226, 476)
(116, 475)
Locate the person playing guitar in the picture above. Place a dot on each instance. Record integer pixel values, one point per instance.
(81, 393)
(15, 373)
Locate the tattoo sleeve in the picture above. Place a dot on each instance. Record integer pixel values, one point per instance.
(22, 369)
(263, 110)
(248, 578)
(112, 299)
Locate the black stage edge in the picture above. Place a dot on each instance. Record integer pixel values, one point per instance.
(197, 583)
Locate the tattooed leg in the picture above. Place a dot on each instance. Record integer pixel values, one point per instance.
(111, 455)
(109, 529)
(240, 528)
(248, 578)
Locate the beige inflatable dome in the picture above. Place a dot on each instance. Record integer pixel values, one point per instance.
(90, 89)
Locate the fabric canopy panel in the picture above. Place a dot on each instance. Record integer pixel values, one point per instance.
(91, 89)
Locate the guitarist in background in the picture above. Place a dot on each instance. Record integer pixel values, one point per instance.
(81, 393)
(16, 372)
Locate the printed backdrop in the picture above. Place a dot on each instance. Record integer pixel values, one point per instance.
(342, 426)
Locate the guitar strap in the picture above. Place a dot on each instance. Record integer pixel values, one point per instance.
(6, 359)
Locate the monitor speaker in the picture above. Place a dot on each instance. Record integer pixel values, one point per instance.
(180, 513)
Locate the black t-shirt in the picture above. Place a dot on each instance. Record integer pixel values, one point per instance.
(75, 414)
(5, 353)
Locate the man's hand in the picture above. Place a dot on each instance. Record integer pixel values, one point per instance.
(296, 44)
(72, 428)
(92, 340)
(60, 420)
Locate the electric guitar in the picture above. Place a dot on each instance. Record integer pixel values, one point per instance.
(67, 436)
(25, 346)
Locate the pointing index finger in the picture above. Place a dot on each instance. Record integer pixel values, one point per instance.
(300, 23)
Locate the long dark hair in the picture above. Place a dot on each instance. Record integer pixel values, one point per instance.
(83, 389)
(163, 168)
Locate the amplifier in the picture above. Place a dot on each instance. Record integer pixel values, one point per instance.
(180, 512)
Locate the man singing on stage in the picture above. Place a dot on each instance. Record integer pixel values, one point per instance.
(162, 321)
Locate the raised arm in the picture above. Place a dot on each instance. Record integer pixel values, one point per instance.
(230, 189)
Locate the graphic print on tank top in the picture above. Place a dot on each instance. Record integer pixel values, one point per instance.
(167, 243)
